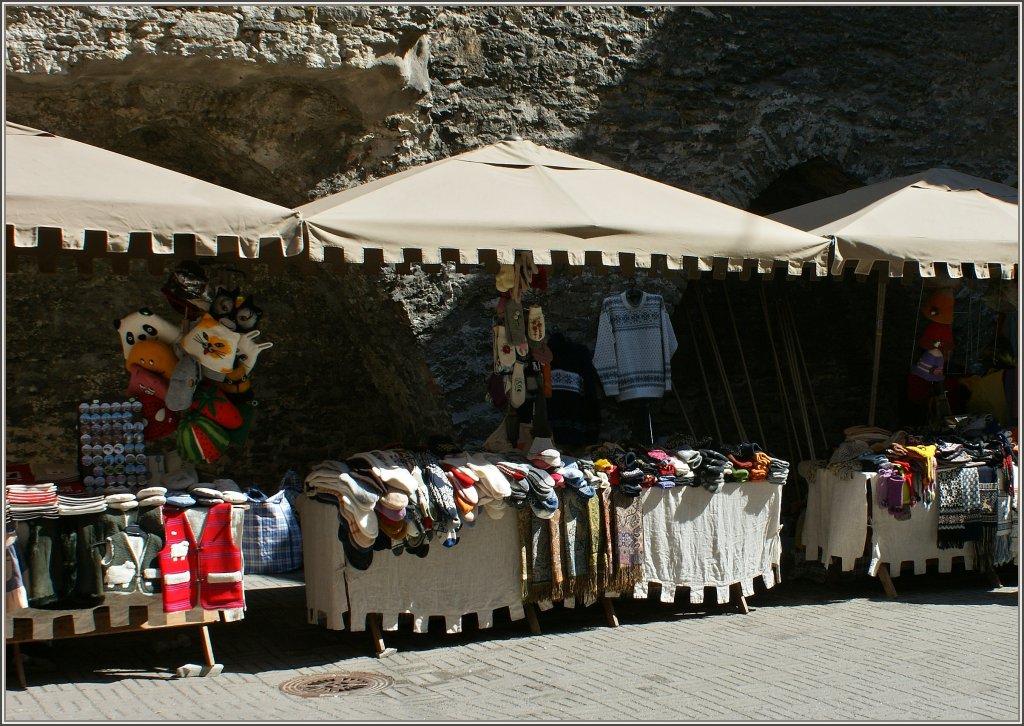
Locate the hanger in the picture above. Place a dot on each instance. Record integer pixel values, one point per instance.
(634, 293)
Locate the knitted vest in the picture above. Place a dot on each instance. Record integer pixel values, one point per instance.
(206, 572)
(128, 565)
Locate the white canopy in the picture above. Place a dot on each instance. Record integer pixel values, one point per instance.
(939, 215)
(518, 196)
(56, 182)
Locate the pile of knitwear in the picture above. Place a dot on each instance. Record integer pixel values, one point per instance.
(908, 461)
(402, 500)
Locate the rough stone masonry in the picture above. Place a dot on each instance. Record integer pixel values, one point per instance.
(289, 103)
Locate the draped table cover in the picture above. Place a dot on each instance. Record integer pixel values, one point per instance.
(692, 538)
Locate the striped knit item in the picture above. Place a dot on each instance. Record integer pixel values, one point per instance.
(220, 562)
(178, 567)
(634, 348)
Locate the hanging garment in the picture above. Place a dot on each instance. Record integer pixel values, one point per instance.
(635, 344)
(130, 562)
(207, 571)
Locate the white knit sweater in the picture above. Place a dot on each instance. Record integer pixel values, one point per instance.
(633, 354)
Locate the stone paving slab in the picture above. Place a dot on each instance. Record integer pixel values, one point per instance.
(947, 650)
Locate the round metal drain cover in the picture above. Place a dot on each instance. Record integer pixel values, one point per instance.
(336, 684)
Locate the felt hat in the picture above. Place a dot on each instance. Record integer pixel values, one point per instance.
(160, 421)
(150, 492)
(393, 529)
(153, 501)
(143, 380)
(358, 557)
(179, 498)
(550, 457)
(212, 344)
(154, 355)
(363, 496)
(395, 515)
(183, 383)
(939, 306)
(929, 366)
(144, 324)
(936, 335)
(394, 500)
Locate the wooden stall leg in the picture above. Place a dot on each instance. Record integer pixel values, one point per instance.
(886, 580)
(19, 666)
(531, 617)
(376, 621)
(993, 578)
(738, 599)
(212, 668)
(609, 612)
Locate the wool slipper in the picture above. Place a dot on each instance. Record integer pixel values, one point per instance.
(535, 324)
(504, 353)
(183, 383)
(517, 391)
(515, 323)
(360, 559)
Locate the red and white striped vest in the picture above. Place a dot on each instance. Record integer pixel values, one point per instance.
(206, 572)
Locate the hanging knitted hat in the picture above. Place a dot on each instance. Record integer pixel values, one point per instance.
(939, 307)
(936, 335)
(929, 366)
(212, 344)
(154, 355)
(144, 324)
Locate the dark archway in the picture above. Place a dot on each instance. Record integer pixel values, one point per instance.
(807, 182)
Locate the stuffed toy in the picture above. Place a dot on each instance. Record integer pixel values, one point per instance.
(143, 324)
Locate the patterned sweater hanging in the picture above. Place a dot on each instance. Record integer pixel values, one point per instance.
(634, 349)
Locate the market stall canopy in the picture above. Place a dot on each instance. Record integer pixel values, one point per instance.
(54, 182)
(939, 215)
(515, 195)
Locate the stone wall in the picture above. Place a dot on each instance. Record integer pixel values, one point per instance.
(289, 103)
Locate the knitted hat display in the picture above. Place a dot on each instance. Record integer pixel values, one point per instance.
(212, 344)
(154, 355)
(144, 324)
(936, 335)
(939, 307)
(929, 366)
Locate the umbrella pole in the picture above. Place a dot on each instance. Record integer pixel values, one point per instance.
(879, 318)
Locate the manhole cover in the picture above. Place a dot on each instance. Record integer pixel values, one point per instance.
(336, 684)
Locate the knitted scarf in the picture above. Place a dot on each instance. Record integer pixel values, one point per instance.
(628, 542)
(951, 529)
(983, 521)
(557, 572)
(535, 539)
(582, 524)
(1006, 530)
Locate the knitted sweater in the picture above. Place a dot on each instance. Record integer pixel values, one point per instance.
(634, 347)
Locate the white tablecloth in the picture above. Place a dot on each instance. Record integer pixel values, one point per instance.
(697, 539)
(480, 574)
(836, 518)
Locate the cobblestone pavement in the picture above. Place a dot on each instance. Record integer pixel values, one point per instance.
(947, 649)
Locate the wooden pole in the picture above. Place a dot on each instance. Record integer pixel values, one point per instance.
(879, 318)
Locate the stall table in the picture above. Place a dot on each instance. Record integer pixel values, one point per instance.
(692, 538)
(123, 613)
(842, 522)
